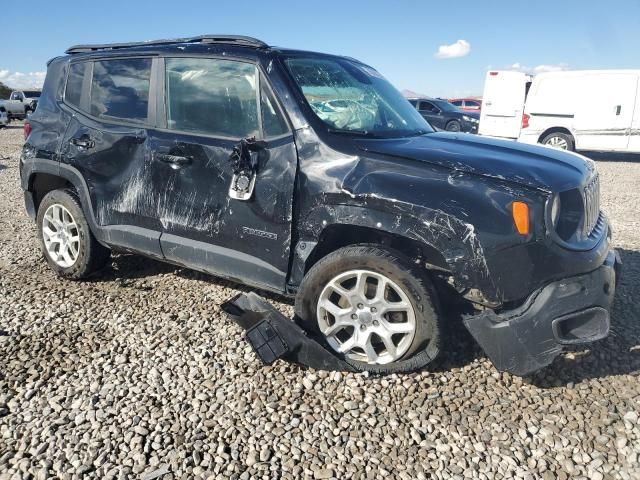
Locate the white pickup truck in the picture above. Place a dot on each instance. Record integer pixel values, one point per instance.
(20, 104)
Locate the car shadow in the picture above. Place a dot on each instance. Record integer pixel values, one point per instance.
(129, 269)
(619, 353)
(612, 156)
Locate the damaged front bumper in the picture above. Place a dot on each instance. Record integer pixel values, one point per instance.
(570, 311)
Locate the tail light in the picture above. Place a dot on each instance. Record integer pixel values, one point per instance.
(27, 129)
(525, 120)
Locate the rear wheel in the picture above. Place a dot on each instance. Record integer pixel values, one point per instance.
(373, 307)
(559, 140)
(67, 243)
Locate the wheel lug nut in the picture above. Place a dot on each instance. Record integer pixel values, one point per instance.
(374, 309)
(376, 323)
(363, 327)
(360, 305)
(354, 316)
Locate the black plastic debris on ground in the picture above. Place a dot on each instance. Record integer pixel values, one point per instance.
(273, 336)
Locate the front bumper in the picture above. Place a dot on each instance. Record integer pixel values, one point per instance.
(570, 311)
(469, 127)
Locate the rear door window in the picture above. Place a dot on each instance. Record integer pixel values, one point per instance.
(212, 97)
(120, 89)
(457, 103)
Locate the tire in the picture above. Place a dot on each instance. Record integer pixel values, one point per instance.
(415, 350)
(559, 140)
(62, 207)
(453, 126)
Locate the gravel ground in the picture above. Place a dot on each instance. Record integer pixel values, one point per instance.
(137, 374)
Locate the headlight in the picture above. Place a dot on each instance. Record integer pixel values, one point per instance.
(467, 118)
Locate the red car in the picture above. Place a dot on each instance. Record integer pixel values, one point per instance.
(467, 104)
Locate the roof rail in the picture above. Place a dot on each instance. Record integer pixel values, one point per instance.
(228, 39)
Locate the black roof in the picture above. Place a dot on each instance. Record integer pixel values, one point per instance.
(203, 39)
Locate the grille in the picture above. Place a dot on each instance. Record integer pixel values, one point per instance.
(591, 196)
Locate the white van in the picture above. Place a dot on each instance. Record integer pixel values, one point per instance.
(503, 103)
(584, 110)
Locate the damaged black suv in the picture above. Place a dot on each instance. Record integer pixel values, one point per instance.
(310, 175)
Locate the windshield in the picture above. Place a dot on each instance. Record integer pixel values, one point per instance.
(353, 98)
(31, 94)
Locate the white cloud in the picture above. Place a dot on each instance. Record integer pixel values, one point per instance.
(456, 50)
(19, 80)
(539, 68)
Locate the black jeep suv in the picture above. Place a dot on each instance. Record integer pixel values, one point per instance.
(310, 175)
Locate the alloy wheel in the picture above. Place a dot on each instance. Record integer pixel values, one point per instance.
(61, 236)
(557, 142)
(366, 316)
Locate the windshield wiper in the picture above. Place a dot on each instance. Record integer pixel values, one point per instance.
(344, 131)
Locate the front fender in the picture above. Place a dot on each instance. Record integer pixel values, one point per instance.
(453, 238)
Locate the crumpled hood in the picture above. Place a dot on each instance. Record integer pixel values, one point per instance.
(540, 167)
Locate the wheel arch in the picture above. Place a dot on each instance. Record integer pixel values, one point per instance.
(41, 183)
(48, 175)
(557, 129)
(340, 235)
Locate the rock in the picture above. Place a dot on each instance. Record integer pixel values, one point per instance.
(323, 473)
(265, 454)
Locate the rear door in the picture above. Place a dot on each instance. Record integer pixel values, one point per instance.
(106, 141)
(236, 226)
(605, 110)
(503, 104)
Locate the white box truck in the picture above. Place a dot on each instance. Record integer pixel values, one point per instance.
(589, 110)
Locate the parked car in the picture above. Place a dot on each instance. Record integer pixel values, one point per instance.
(441, 115)
(467, 104)
(21, 103)
(597, 110)
(309, 175)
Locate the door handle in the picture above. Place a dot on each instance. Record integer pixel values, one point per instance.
(83, 142)
(176, 161)
(618, 109)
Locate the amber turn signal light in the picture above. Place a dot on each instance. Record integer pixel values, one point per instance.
(520, 212)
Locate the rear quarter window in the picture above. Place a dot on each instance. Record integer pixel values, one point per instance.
(120, 89)
(73, 90)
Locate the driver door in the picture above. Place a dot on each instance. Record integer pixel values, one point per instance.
(432, 114)
(210, 105)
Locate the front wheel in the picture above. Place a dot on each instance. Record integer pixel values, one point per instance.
(453, 126)
(373, 307)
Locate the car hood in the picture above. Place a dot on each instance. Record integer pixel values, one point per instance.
(539, 167)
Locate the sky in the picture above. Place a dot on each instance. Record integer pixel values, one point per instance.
(438, 48)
